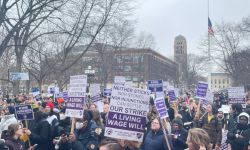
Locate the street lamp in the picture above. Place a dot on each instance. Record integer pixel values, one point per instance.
(89, 72)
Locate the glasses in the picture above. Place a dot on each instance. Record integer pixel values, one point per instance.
(155, 122)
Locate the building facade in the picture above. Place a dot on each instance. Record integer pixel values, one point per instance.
(180, 57)
(219, 81)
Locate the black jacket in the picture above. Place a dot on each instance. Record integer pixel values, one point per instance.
(180, 142)
(239, 143)
(40, 133)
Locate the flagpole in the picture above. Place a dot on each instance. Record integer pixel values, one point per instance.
(208, 36)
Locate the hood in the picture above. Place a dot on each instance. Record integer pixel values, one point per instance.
(243, 114)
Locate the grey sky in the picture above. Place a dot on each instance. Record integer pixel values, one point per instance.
(165, 19)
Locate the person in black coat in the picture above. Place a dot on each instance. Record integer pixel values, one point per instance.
(240, 136)
(179, 135)
(184, 111)
(83, 138)
(39, 132)
(154, 139)
(13, 141)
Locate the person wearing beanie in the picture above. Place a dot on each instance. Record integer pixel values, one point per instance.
(83, 137)
(240, 136)
(179, 134)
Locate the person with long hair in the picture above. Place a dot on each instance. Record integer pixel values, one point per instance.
(198, 139)
(210, 123)
(13, 141)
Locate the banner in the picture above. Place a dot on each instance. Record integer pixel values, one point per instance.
(24, 112)
(76, 100)
(161, 107)
(107, 92)
(119, 80)
(202, 88)
(127, 113)
(236, 95)
(19, 76)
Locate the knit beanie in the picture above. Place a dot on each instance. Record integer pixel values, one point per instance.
(178, 121)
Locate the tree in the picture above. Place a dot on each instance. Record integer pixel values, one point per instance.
(145, 40)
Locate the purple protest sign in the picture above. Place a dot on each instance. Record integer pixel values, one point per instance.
(24, 112)
(65, 96)
(161, 107)
(202, 88)
(96, 98)
(127, 113)
(74, 107)
(171, 95)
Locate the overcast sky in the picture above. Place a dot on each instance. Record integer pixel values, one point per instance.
(165, 19)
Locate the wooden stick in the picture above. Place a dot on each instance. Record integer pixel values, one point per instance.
(165, 135)
(26, 124)
(72, 125)
(198, 108)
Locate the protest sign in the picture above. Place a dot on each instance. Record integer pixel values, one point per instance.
(156, 86)
(236, 95)
(127, 113)
(95, 90)
(202, 88)
(208, 99)
(176, 91)
(76, 100)
(171, 94)
(107, 92)
(65, 96)
(24, 112)
(161, 107)
(74, 107)
(35, 91)
(119, 80)
(165, 85)
(19, 76)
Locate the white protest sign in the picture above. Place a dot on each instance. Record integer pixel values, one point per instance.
(127, 113)
(120, 80)
(236, 95)
(95, 90)
(76, 100)
(165, 85)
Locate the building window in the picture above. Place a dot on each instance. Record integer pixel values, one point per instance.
(127, 68)
(227, 81)
(223, 81)
(215, 81)
(219, 81)
(211, 81)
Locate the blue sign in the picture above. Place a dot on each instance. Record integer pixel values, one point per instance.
(35, 91)
(155, 86)
(107, 92)
(201, 89)
(24, 112)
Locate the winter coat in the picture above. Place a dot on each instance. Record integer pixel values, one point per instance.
(6, 121)
(180, 142)
(213, 128)
(14, 144)
(84, 138)
(40, 133)
(154, 141)
(186, 117)
(239, 143)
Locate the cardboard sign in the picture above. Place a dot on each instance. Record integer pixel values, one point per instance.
(161, 107)
(127, 113)
(107, 92)
(202, 88)
(236, 95)
(24, 112)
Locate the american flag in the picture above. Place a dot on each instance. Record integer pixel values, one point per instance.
(210, 28)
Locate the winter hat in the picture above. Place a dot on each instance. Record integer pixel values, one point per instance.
(177, 121)
(243, 114)
(51, 105)
(60, 100)
(11, 109)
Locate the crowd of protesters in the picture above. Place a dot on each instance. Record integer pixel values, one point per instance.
(189, 126)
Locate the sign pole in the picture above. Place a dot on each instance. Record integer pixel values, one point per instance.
(26, 124)
(72, 125)
(165, 135)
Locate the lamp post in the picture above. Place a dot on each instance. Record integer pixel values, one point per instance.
(90, 73)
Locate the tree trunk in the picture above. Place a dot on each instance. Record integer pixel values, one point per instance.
(18, 69)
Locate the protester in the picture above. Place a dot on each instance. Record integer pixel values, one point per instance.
(83, 138)
(240, 136)
(210, 123)
(198, 139)
(180, 134)
(236, 109)
(154, 139)
(110, 144)
(13, 141)
(40, 132)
